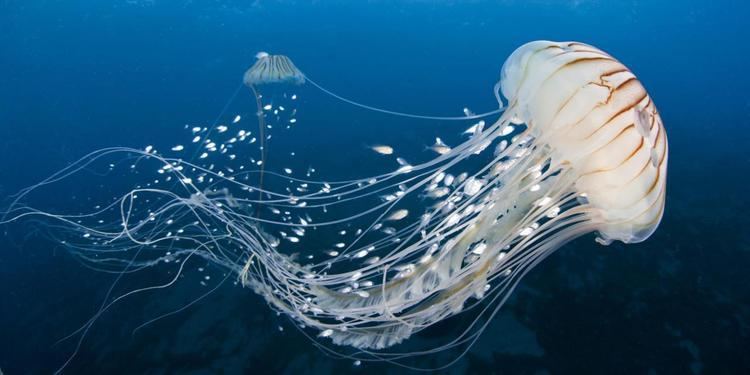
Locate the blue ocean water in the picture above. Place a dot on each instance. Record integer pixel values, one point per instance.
(82, 75)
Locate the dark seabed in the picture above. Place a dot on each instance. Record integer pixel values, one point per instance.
(83, 75)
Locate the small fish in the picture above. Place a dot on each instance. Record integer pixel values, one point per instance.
(236, 119)
(473, 186)
(388, 198)
(482, 146)
(440, 147)
(398, 215)
(363, 294)
(458, 180)
(439, 192)
(475, 129)
(479, 248)
(383, 149)
(507, 130)
(448, 180)
(501, 147)
(361, 254)
(405, 168)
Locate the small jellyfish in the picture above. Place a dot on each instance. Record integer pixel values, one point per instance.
(268, 69)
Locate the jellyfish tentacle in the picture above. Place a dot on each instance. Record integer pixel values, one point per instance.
(404, 114)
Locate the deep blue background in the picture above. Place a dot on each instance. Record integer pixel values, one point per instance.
(80, 75)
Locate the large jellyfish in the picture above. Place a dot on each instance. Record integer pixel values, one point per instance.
(580, 148)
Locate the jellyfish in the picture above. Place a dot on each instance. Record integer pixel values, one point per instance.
(580, 148)
(266, 70)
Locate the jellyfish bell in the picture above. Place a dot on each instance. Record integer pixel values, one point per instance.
(273, 69)
(580, 148)
(596, 116)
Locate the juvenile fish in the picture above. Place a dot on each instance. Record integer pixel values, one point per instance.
(383, 149)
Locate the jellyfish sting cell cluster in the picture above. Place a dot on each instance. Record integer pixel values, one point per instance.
(579, 148)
